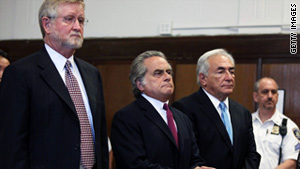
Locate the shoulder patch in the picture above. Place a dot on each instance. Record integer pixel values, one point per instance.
(296, 133)
(297, 146)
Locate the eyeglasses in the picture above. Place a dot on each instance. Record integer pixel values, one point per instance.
(72, 19)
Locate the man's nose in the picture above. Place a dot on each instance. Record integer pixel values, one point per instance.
(229, 75)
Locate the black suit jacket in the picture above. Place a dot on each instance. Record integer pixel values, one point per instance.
(141, 139)
(211, 135)
(39, 127)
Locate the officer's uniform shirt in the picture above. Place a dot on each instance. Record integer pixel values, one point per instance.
(268, 140)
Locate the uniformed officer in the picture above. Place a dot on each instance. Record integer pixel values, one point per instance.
(277, 140)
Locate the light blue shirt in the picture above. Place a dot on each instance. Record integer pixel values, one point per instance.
(59, 62)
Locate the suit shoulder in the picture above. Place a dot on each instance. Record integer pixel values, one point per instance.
(128, 110)
(27, 61)
(186, 100)
(234, 106)
(237, 104)
(86, 64)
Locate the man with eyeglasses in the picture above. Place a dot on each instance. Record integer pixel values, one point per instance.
(51, 102)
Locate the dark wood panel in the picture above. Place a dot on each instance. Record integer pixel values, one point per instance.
(245, 77)
(185, 80)
(116, 87)
(243, 47)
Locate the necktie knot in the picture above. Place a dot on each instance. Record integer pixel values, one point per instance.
(222, 106)
(166, 107)
(68, 63)
(68, 66)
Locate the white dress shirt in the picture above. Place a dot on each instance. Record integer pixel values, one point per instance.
(268, 140)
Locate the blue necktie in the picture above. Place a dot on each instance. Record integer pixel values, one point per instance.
(226, 121)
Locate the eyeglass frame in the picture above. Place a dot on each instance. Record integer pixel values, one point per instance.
(70, 19)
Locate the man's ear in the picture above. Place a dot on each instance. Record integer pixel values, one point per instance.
(46, 23)
(202, 79)
(139, 85)
(255, 97)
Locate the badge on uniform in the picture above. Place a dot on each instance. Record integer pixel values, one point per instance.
(296, 133)
(275, 129)
(297, 146)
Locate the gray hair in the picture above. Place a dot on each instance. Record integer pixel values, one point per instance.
(138, 69)
(49, 9)
(203, 64)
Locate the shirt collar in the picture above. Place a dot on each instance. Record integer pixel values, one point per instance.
(158, 105)
(275, 118)
(58, 59)
(216, 101)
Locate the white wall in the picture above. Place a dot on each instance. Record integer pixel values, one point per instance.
(144, 18)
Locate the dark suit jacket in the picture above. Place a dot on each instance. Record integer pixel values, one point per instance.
(39, 127)
(141, 139)
(211, 135)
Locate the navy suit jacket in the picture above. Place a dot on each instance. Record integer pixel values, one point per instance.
(39, 127)
(211, 135)
(141, 139)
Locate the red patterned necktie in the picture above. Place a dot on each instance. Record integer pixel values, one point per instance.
(86, 137)
(171, 123)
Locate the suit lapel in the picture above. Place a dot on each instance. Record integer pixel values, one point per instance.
(51, 76)
(235, 121)
(209, 109)
(88, 84)
(151, 113)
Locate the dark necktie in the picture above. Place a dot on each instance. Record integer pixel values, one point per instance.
(86, 136)
(226, 120)
(171, 123)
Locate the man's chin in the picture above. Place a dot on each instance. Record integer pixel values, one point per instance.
(228, 92)
(169, 91)
(75, 45)
(269, 107)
